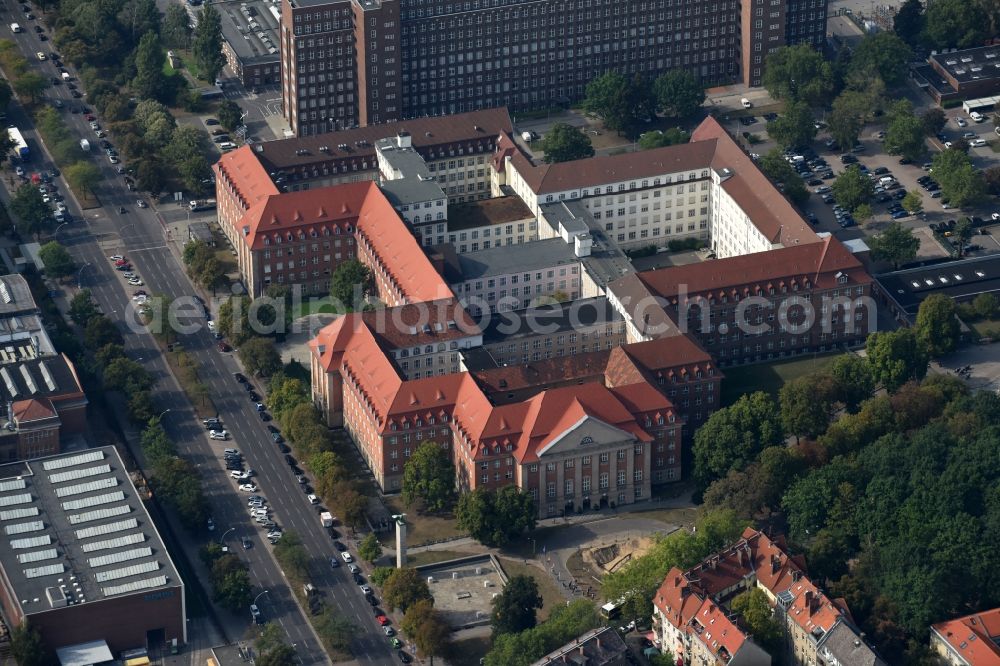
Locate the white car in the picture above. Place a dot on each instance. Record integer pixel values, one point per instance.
(41, 56)
(960, 122)
(116, 257)
(347, 557)
(977, 143)
(248, 487)
(61, 207)
(136, 282)
(746, 103)
(218, 434)
(211, 325)
(129, 276)
(235, 475)
(140, 299)
(312, 499)
(113, 159)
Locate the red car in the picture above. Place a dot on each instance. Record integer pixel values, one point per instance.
(121, 262)
(91, 118)
(223, 347)
(382, 619)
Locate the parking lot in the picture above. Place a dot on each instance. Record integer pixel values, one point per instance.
(905, 176)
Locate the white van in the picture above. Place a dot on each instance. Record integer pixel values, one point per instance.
(15, 27)
(977, 117)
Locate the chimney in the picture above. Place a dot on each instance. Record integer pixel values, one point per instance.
(774, 564)
(809, 601)
(796, 575)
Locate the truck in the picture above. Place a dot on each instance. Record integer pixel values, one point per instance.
(84, 145)
(202, 204)
(326, 518)
(20, 147)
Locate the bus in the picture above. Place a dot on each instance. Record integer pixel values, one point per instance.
(20, 147)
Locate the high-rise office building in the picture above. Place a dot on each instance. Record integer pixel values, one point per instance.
(365, 62)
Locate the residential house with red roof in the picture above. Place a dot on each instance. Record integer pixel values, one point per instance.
(973, 640)
(691, 615)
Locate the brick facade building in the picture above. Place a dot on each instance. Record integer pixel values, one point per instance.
(366, 62)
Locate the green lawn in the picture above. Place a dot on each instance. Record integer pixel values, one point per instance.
(986, 328)
(770, 377)
(311, 306)
(421, 529)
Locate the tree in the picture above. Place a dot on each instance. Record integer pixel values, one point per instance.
(30, 85)
(733, 436)
(26, 645)
(370, 549)
(176, 30)
(6, 94)
(852, 380)
(231, 583)
(32, 212)
(292, 556)
(933, 120)
(658, 139)
(260, 357)
(896, 244)
(853, 188)
(514, 608)
(991, 176)
(795, 128)
(57, 260)
(937, 325)
(206, 45)
(565, 143)
(230, 114)
(776, 167)
(905, 135)
(963, 233)
(908, 23)
(847, 117)
(335, 631)
(798, 73)
(351, 284)
(428, 629)
(272, 650)
(610, 96)
(961, 183)
(350, 503)
(755, 610)
(429, 476)
(896, 357)
(83, 176)
(883, 54)
(405, 587)
(913, 202)
(82, 308)
(678, 93)
(863, 213)
(125, 375)
(806, 405)
(6, 143)
(149, 81)
(211, 274)
(101, 331)
(495, 518)
(149, 176)
(564, 624)
(955, 24)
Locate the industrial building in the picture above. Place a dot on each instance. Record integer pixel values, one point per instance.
(81, 560)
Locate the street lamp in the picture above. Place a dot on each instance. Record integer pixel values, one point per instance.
(223, 539)
(161, 414)
(55, 234)
(79, 276)
(258, 597)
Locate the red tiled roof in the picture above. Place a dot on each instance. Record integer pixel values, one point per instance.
(35, 409)
(817, 263)
(245, 172)
(974, 637)
(678, 598)
(757, 196)
(719, 634)
(332, 210)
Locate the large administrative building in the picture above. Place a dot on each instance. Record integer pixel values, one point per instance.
(80, 558)
(364, 62)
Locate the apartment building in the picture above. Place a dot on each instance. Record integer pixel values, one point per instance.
(486, 223)
(692, 618)
(972, 640)
(368, 62)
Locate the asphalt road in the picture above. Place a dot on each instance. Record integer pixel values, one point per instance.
(140, 235)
